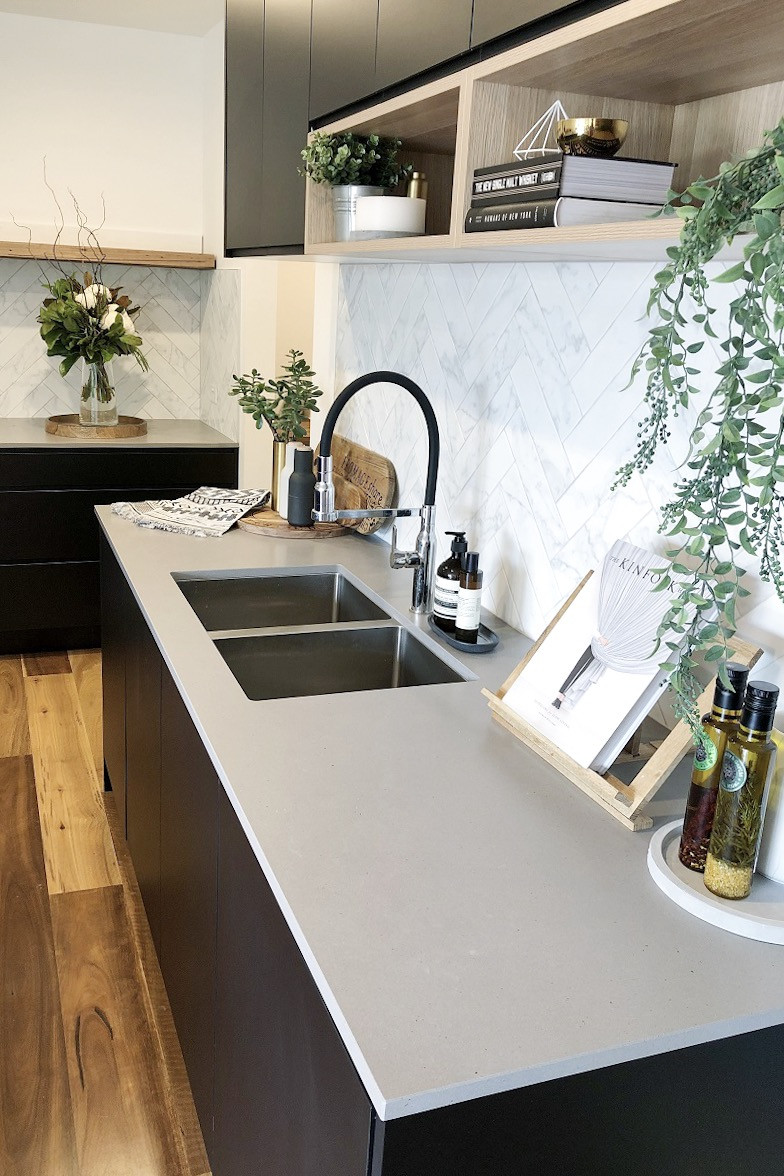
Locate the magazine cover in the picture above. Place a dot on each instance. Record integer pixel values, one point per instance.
(584, 685)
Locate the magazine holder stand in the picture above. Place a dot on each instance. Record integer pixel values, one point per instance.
(625, 802)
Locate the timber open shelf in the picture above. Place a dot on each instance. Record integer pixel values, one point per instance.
(35, 251)
(698, 80)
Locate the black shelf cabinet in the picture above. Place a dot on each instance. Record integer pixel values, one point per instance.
(343, 54)
(49, 552)
(414, 37)
(267, 96)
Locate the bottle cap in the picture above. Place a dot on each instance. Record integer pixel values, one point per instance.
(471, 562)
(759, 705)
(459, 543)
(303, 459)
(732, 699)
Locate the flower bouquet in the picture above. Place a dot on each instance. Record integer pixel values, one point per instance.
(94, 323)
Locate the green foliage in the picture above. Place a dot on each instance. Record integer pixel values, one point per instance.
(353, 159)
(730, 499)
(283, 403)
(74, 323)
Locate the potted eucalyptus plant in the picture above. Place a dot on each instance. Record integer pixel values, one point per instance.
(353, 166)
(284, 403)
(729, 501)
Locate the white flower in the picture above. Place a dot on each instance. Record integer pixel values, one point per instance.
(90, 295)
(111, 314)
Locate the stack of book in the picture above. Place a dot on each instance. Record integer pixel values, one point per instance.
(556, 189)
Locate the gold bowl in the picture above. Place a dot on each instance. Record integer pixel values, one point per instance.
(591, 136)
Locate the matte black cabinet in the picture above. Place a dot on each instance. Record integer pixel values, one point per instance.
(343, 53)
(494, 18)
(117, 607)
(267, 92)
(188, 892)
(413, 36)
(49, 582)
(287, 1096)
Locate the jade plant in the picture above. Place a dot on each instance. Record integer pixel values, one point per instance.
(728, 503)
(353, 159)
(284, 403)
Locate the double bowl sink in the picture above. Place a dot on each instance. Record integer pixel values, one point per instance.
(296, 633)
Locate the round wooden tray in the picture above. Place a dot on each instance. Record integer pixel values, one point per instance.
(67, 425)
(269, 522)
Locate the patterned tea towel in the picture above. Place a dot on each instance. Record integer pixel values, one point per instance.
(206, 512)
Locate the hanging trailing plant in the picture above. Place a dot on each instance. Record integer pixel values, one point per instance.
(730, 499)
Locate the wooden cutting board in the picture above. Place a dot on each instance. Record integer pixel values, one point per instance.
(363, 480)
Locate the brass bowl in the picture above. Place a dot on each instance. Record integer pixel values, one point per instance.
(591, 136)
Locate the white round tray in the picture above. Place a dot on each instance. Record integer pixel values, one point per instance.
(760, 916)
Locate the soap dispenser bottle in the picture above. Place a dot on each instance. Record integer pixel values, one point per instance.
(469, 600)
(448, 583)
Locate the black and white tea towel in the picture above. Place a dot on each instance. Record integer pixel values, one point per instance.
(207, 512)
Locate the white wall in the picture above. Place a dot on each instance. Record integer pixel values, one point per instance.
(115, 111)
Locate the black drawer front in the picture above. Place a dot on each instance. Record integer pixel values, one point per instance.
(63, 469)
(51, 525)
(40, 596)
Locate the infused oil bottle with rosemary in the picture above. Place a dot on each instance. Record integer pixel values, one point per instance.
(743, 792)
(717, 727)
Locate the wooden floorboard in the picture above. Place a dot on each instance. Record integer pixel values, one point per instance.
(78, 847)
(86, 668)
(117, 1089)
(36, 664)
(14, 732)
(181, 1111)
(36, 1124)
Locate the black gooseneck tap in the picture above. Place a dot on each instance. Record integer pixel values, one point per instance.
(422, 559)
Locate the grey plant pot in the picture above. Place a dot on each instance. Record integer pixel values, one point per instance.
(344, 203)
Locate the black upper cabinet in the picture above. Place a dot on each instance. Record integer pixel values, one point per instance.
(413, 36)
(493, 18)
(343, 53)
(267, 86)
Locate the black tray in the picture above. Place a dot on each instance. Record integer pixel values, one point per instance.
(486, 639)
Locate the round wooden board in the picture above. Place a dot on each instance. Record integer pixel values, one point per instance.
(68, 425)
(269, 522)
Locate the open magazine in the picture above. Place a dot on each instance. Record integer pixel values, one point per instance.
(597, 673)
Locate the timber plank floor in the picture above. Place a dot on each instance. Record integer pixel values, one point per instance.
(92, 1081)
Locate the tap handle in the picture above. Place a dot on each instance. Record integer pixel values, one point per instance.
(401, 559)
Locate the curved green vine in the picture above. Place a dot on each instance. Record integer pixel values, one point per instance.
(730, 498)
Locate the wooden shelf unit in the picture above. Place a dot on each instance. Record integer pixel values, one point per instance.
(698, 80)
(35, 251)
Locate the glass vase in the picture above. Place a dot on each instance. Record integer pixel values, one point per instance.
(98, 402)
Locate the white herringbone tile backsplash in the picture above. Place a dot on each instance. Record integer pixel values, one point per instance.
(527, 367)
(169, 323)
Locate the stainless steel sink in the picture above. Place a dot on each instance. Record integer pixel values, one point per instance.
(332, 661)
(277, 601)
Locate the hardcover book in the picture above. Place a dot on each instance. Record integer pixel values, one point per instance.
(641, 181)
(557, 213)
(597, 673)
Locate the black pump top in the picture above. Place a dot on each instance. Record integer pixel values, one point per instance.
(732, 699)
(459, 543)
(471, 563)
(759, 706)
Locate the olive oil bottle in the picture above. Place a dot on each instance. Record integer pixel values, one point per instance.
(743, 792)
(717, 726)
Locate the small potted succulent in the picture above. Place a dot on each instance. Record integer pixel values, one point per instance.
(352, 165)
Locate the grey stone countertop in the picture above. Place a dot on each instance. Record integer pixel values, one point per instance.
(28, 433)
(473, 922)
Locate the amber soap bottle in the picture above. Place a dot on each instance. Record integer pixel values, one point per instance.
(469, 600)
(717, 727)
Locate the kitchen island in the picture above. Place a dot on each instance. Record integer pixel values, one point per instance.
(508, 990)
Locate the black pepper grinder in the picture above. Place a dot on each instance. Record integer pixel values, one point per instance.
(301, 486)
